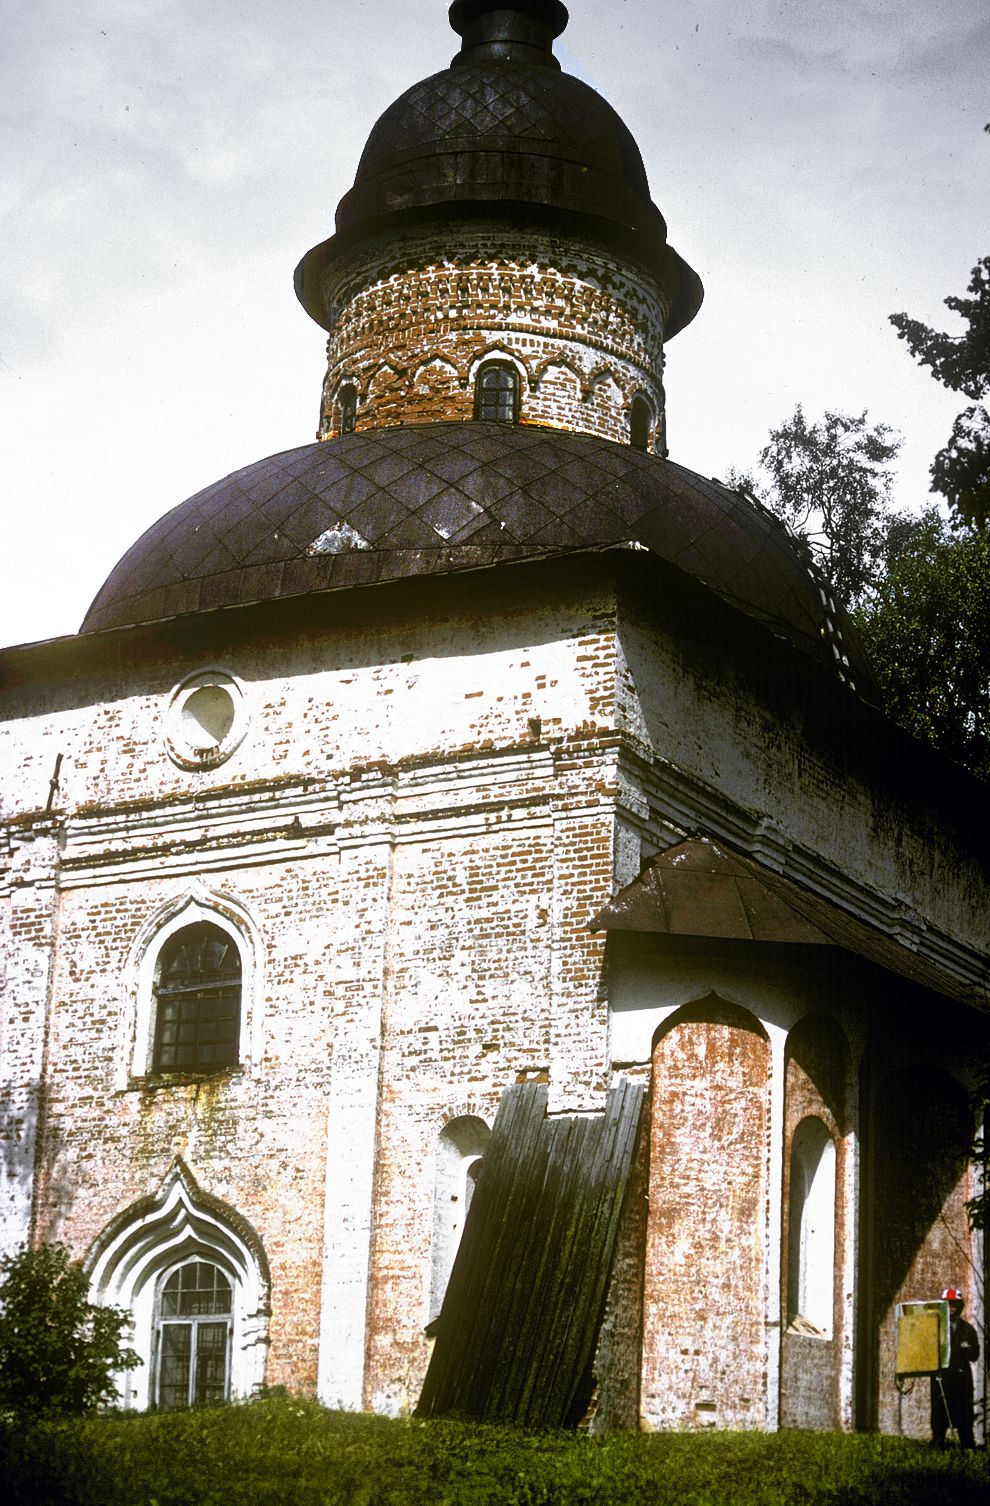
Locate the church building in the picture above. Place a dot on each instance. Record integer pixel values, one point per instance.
(473, 816)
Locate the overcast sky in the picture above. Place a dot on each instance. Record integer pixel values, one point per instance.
(821, 163)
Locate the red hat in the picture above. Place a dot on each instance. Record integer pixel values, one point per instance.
(952, 1294)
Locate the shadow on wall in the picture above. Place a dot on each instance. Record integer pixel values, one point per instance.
(919, 1235)
(32, 1175)
(23, 1117)
(18, 1127)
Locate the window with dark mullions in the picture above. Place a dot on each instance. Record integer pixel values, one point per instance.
(496, 393)
(347, 403)
(195, 1306)
(198, 1001)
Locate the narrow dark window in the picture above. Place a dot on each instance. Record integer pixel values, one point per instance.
(198, 1001)
(195, 1307)
(347, 402)
(496, 393)
(640, 421)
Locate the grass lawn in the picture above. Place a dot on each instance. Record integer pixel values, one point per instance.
(286, 1452)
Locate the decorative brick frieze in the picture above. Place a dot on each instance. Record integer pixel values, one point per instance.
(415, 314)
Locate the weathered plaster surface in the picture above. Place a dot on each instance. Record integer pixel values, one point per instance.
(425, 811)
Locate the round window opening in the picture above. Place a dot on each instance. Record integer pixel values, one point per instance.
(206, 720)
(208, 716)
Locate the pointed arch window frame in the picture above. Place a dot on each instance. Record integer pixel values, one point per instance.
(133, 1257)
(137, 1029)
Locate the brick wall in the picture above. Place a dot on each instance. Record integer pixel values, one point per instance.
(414, 313)
(28, 926)
(704, 1294)
(427, 808)
(416, 827)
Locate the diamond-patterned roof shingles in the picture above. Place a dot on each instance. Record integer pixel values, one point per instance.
(444, 497)
(517, 105)
(512, 131)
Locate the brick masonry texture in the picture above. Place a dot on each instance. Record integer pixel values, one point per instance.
(414, 314)
(440, 783)
(704, 1342)
(426, 810)
(430, 814)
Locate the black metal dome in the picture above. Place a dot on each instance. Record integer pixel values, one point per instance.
(429, 499)
(504, 132)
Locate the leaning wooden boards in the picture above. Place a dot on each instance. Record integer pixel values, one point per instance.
(520, 1321)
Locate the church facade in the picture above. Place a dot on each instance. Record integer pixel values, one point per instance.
(479, 745)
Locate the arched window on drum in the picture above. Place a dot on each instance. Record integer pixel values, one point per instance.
(347, 408)
(496, 393)
(640, 422)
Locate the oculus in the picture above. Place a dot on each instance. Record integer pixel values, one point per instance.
(206, 720)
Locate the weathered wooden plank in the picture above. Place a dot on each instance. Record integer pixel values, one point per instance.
(610, 1177)
(563, 1140)
(520, 1192)
(524, 1304)
(546, 1382)
(459, 1362)
(560, 1372)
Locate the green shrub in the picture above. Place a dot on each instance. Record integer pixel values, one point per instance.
(58, 1350)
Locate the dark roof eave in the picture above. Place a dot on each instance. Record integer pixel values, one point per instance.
(648, 245)
(18, 660)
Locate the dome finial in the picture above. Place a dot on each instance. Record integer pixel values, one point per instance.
(511, 31)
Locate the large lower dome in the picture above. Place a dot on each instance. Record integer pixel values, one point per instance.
(428, 499)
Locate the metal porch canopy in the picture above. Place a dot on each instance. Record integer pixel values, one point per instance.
(696, 888)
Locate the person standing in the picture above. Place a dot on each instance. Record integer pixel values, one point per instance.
(952, 1388)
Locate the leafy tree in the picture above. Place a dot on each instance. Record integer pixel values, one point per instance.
(927, 631)
(920, 588)
(58, 1350)
(830, 481)
(961, 470)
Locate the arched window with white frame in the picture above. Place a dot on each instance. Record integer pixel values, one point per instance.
(461, 1146)
(193, 1276)
(195, 969)
(811, 1224)
(197, 991)
(496, 393)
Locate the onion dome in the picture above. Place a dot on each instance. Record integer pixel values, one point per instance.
(504, 133)
(432, 499)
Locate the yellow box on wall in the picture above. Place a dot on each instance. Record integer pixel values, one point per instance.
(922, 1337)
